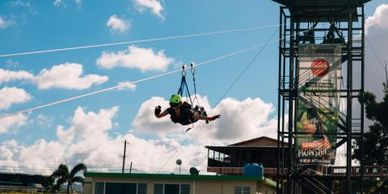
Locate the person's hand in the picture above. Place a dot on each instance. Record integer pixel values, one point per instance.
(214, 117)
(158, 109)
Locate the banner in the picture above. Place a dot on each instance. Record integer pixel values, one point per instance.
(317, 110)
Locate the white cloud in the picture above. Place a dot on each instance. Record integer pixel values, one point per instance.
(6, 75)
(239, 120)
(12, 95)
(12, 123)
(154, 5)
(117, 24)
(144, 59)
(126, 85)
(89, 138)
(59, 3)
(376, 49)
(379, 18)
(4, 23)
(63, 4)
(68, 76)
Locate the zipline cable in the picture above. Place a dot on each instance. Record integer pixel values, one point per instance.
(118, 86)
(226, 92)
(136, 41)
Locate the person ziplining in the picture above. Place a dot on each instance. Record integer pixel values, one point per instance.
(183, 112)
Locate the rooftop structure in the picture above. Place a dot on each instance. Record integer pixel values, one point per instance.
(113, 183)
(231, 159)
(321, 10)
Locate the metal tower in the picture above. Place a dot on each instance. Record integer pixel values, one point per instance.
(321, 75)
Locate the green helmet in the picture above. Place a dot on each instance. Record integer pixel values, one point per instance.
(175, 99)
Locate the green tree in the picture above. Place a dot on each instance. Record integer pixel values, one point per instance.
(62, 175)
(376, 139)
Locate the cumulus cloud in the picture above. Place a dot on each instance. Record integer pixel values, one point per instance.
(87, 140)
(7, 76)
(154, 5)
(12, 95)
(379, 19)
(67, 76)
(376, 47)
(117, 24)
(240, 120)
(145, 59)
(12, 123)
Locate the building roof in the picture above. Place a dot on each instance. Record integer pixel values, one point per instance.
(322, 10)
(169, 176)
(266, 181)
(259, 142)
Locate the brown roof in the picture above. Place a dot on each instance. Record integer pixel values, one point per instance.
(259, 141)
(256, 143)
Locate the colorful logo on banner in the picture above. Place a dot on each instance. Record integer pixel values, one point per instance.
(317, 112)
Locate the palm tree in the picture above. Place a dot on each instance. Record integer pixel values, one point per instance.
(62, 176)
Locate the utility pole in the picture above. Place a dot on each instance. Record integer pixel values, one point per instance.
(124, 155)
(130, 168)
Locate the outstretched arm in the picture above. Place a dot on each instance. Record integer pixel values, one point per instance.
(158, 111)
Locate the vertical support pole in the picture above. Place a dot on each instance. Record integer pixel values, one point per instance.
(130, 168)
(349, 99)
(124, 155)
(279, 106)
(291, 106)
(362, 93)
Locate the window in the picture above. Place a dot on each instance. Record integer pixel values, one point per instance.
(99, 187)
(242, 190)
(121, 188)
(171, 189)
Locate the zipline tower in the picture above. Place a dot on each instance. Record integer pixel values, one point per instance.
(321, 75)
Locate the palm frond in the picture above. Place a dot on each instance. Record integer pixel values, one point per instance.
(77, 168)
(61, 171)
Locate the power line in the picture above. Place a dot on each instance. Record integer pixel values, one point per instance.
(118, 86)
(136, 41)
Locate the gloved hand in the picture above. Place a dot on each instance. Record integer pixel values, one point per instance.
(214, 117)
(158, 109)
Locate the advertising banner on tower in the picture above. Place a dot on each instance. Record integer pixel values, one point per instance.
(317, 110)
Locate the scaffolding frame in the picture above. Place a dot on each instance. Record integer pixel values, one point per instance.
(289, 176)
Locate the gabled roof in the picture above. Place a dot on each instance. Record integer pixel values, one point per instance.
(259, 141)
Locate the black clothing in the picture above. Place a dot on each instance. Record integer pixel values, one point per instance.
(186, 117)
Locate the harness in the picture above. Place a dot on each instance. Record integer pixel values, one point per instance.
(187, 110)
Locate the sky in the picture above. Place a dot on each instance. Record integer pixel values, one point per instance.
(93, 129)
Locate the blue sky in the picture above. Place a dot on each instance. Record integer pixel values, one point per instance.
(86, 129)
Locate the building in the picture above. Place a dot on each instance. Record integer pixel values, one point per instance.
(21, 182)
(230, 160)
(123, 183)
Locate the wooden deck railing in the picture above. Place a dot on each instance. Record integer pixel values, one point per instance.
(340, 171)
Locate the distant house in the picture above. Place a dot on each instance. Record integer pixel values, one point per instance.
(229, 160)
(21, 182)
(120, 183)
